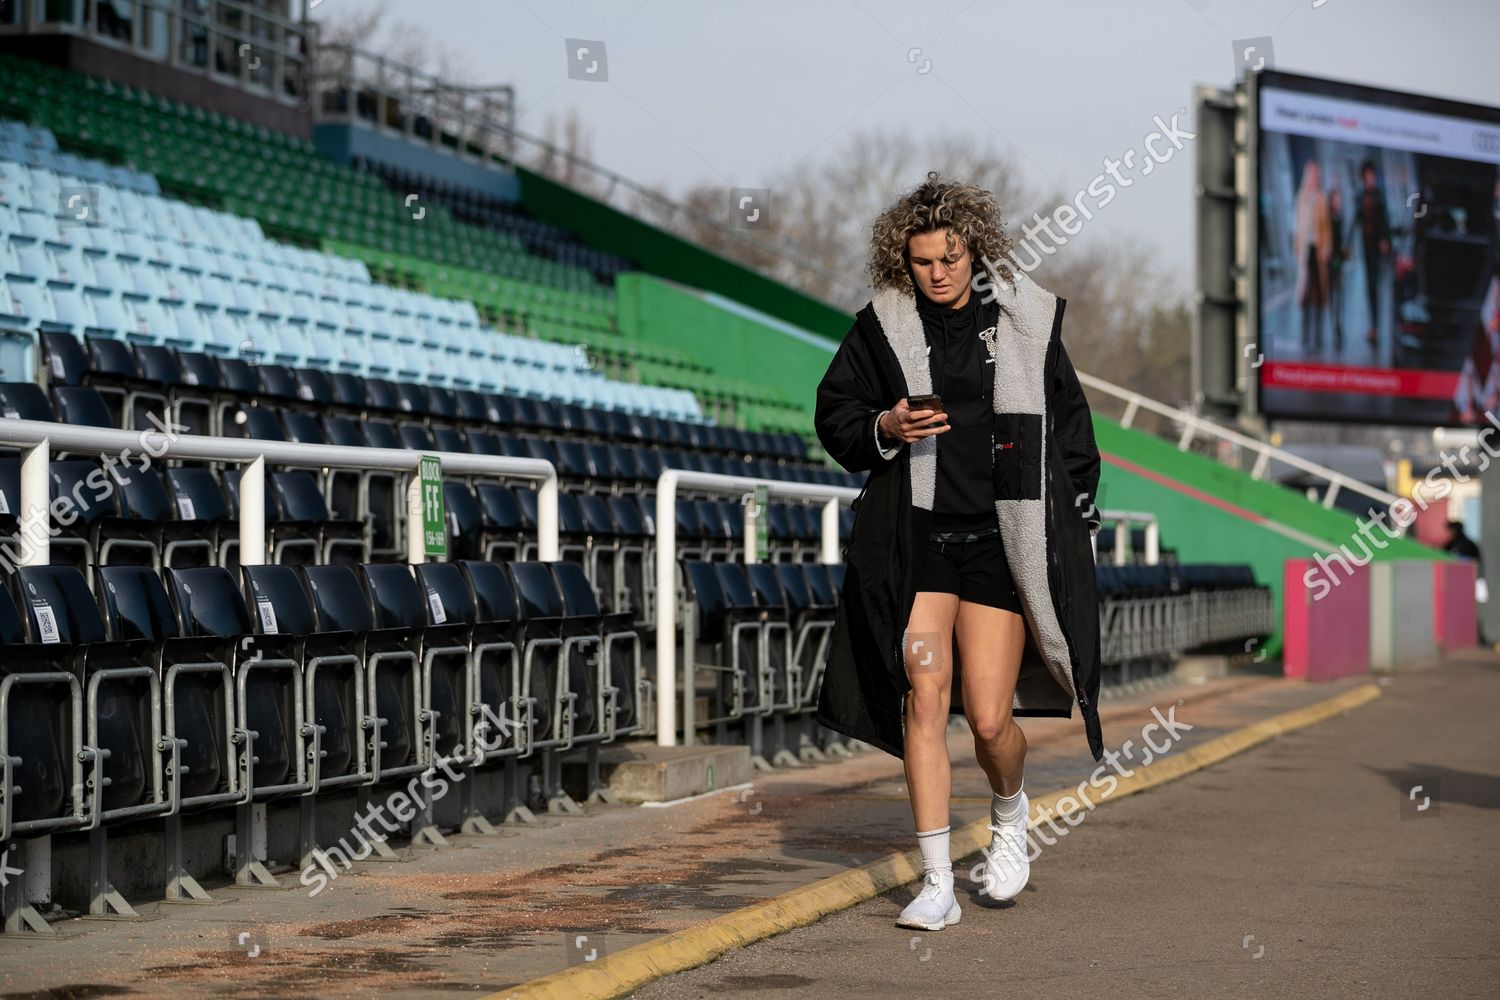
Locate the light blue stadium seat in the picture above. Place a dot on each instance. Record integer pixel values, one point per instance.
(36, 305)
(145, 282)
(350, 354)
(36, 227)
(135, 247)
(112, 275)
(73, 309)
(291, 345)
(302, 307)
(121, 178)
(217, 264)
(10, 263)
(103, 241)
(223, 333)
(192, 331)
(319, 348)
(42, 159)
(357, 322)
(423, 335)
(14, 152)
(35, 261)
(465, 314)
(276, 305)
(423, 307)
(42, 138)
(258, 341)
(159, 216)
(15, 183)
(171, 254)
(249, 299)
(182, 286)
(15, 313)
(407, 362)
(155, 323)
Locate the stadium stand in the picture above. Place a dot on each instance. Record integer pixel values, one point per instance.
(223, 291)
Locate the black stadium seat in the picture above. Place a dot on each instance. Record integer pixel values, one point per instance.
(334, 674)
(196, 683)
(496, 654)
(38, 703)
(400, 604)
(60, 609)
(24, 401)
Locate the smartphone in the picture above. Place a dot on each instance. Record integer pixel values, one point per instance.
(928, 401)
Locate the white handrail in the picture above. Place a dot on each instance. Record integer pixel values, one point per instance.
(666, 574)
(1192, 423)
(38, 439)
(1124, 519)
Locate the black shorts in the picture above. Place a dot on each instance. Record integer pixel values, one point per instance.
(975, 570)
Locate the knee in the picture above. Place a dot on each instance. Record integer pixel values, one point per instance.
(990, 727)
(927, 704)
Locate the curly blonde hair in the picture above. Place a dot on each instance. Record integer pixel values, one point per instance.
(968, 212)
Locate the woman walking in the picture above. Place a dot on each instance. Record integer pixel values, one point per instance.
(1312, 242)
(969, 583)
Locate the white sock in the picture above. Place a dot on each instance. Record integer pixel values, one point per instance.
(934, 845)
(1006, 808)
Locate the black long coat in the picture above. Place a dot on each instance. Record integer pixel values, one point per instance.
(1045, 469)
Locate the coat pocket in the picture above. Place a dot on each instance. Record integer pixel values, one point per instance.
(1017, 468)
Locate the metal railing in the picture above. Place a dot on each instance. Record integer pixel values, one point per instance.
(1194, 425)
(347, 83)
(231, 42)
(38, 439)
(1123, 519)
(666, 573)
(350, 84)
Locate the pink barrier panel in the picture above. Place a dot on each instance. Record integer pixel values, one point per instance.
(1327, 626)
(1454, 611)
(1431, 527)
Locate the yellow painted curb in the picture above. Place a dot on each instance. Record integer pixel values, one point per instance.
(617, 974)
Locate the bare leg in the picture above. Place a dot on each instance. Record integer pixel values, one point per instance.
(992, 640)
(929, 667)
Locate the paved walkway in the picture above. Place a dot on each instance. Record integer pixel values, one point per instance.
(1301, 868)
(1158, 879)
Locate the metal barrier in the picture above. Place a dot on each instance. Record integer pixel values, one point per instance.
(230, 42)
(667, 485)
(37, 440)
(1194, 425)
(1124, 519)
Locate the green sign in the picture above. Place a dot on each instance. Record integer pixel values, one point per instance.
(434, 518)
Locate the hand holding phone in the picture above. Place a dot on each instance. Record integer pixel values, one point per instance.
(926, 401)
(915, 418)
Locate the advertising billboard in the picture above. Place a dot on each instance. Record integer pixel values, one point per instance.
(1378, 254)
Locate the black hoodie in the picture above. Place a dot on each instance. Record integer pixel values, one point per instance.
(964, 376)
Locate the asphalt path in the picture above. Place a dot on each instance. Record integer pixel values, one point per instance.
(1352, 858)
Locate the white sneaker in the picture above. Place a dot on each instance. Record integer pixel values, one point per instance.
(935, 907)
(1007, 868)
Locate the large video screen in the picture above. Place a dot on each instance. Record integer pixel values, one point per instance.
(1379, 254)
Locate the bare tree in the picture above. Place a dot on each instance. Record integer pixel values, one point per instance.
(1126, 318)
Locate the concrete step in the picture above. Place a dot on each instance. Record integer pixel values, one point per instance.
(645, 772)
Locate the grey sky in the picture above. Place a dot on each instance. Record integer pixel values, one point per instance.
(738, 94)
